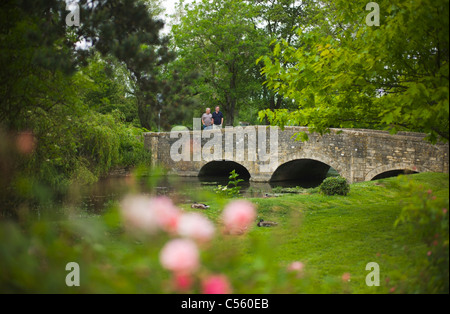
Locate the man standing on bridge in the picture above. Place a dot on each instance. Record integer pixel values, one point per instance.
(218, 118)
(207, 120)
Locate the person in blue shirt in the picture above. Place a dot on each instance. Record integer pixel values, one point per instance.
(218, 118)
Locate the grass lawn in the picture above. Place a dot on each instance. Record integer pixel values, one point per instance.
(333, 235)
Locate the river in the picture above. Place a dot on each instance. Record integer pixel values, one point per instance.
(95, 198)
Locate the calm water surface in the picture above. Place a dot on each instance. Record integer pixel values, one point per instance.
(96, 198)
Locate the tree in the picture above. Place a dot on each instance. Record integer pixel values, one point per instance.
(37, 44)
(127, 30)
(220, 41)
(279, 19)
(106, 86)
(344, 73)
(61, 84)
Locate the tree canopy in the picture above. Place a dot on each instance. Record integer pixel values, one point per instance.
(341, 72)
(75, 87)
(219, 41)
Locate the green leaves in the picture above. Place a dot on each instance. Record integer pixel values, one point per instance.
(387, 77)
(219, 42)
(232, 189)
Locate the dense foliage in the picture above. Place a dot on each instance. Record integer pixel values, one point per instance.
(341, 72)
(335, 186)
(83, 93)
(218, 43)
(427, 215)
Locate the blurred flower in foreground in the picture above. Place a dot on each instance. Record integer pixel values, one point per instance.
(216, 284)
(137, 214)
(238, 215)
(26, 143)
(150, 214)
(167, 214)
(180, 256)
(195, 226)
(346, 277)
(182, 281)
(296, 267)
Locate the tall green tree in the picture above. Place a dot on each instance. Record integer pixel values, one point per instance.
(107, 87)
(37, 44)
(52, 85)
(279, 19)
(128, 30)
(344, 73)
(220, 41)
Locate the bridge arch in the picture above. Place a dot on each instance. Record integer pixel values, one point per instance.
(307, 166)
(307, 170)
(222, 168)
(318, 157)
(396, 168)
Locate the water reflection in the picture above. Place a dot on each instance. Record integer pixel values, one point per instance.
(97, 197)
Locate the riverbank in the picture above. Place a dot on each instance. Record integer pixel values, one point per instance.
(335, 235)
(329, 239)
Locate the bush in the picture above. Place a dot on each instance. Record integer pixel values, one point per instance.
(335, 186)
(427, 216)
(231, 189)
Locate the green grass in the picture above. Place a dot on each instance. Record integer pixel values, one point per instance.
(334, 235)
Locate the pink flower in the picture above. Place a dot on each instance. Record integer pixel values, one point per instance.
(346, 277)
(167, 214)
(216, 284)
(238, 215)
(429, 253)
(182, 281)
(195, 226)
(429, 192)
(296, 266)
(137, 214)
(444, 211)
(392, 290)
(180, 256)
(150, 214)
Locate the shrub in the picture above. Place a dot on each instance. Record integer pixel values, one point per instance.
(335, 186)
(232, 189)
(427, 216)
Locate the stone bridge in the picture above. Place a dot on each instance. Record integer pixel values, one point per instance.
(357, 155)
